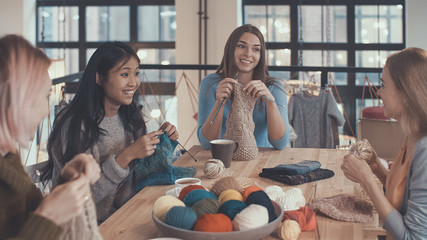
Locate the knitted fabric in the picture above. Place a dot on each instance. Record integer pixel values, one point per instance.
(83, 227)
(303, 167)
(240, 125)
(345, 207)
(316, 175)
(157, 169)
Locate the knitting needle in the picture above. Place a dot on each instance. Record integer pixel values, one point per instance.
(283, 106)
(213, 119)
(186, 151)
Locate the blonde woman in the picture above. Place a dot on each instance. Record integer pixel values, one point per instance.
(403, 208)
(24, 92)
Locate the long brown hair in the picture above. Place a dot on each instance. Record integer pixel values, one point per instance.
(408, 71)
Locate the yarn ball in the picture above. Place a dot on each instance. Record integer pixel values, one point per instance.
(181, 217)
(274, 192)
(250, 190)
(246, 182)
(252, 216)
(224, 184)
(213, 168)
(364, 150)
(188, 189)
(205, 206)
(291, 200)
(261, 198)
(289, 230)
(213, 223)
(305, 217)
(229, 194)
(231, 208)
(196, 195)
(163, 204)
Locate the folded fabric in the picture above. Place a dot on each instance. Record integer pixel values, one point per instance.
(157, 169)
(303, 167)
(316, 175)
(305, 217)
(345, 207)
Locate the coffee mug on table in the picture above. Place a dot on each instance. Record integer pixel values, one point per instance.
(223, 150)
(183, 182)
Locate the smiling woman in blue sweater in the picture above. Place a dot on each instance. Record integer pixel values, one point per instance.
(244, 53)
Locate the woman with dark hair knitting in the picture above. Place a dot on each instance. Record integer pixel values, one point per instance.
(244, 53)
(24, 102)
(104, 119)
(404, 94)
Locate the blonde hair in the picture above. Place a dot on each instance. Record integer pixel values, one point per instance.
(22, 71)
(408, 70)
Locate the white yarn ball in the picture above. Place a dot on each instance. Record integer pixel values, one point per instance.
(213, 168)
(291, 200)
(273, 189)
(252, 216)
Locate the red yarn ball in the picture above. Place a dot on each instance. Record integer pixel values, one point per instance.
(187, 190)
(250, 190)
(213, 223)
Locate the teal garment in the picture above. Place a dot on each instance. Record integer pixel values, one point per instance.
(303, 167)
(157, 169)
(207, 98)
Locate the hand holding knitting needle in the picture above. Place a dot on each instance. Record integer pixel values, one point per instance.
(224, 90)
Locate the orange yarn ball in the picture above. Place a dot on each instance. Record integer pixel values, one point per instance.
(187, 190)
(250, 190)
(213, 223)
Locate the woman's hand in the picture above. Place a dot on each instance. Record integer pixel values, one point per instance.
(256, 88)
(170, 130)
(356, 170)
(225, 88)
(65, 201)
(82, 164)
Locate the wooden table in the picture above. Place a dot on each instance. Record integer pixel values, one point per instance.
(133, 220)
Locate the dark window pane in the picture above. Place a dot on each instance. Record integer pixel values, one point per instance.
(106, 23)
(156, 23)
(58, 24)
(381, 24)
(323, 24)
(273, 21)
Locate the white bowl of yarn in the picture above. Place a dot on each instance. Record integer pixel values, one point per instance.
(249, 234)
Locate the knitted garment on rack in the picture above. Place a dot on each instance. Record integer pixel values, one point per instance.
(240, 125)
(303, 167)
(316, 175)
(157, 169)
(345, 207)
(83, 227)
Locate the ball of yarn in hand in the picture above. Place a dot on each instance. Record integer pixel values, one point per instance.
(252, 216)
(196, 195)
(261, 198)
(231, 208)
(289, 230)
(364, 150)
(163, 204)
(213, 223)
(229, 194)
(213, 168)
(250, 190)
(205, 206)
(188, 189)
(224, 184)
(181, 217)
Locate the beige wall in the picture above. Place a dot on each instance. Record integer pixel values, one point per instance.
(18, 17)
(416, 19)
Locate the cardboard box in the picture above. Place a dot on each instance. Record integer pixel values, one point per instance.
(386, 137)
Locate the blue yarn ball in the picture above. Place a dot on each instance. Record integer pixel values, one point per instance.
(196, 195)
(231, 208)
(261, 198)
(181, 217)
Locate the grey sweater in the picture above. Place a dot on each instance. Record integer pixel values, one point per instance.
(411, 221)
(109, 194)
(314, 119)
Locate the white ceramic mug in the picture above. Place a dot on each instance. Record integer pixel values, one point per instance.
(183, 182)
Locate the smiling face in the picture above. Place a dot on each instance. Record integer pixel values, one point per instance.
(121, 84)
(391, 97)
(247, 52)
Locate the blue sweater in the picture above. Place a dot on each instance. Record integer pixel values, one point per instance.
(411, 221)
(207, 98)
